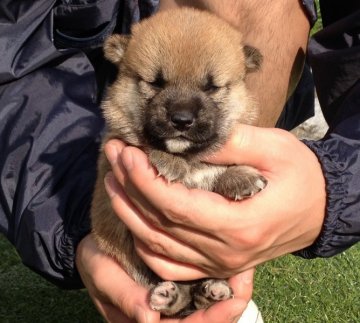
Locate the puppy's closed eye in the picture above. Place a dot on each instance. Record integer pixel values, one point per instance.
(151, 87)
(159, 82)
(210, 86)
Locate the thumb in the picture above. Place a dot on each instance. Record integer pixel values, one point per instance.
(128, 297)
(114, 293)
(254, 146)
(242, 284)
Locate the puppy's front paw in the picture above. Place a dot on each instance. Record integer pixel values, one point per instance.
(163, 295)
(239, 182)
(173, 168)
(211, 291)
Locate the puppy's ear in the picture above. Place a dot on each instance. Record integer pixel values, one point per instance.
(253, 59)
(115, 46)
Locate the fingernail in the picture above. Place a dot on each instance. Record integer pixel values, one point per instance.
(127, 160)
(109, 184)
(111, 153)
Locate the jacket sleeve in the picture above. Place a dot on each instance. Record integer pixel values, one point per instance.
(49, 137)
(334, 55)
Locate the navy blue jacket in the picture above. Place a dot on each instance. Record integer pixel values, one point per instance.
(52, 76)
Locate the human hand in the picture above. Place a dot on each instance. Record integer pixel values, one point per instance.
(190, 234)
(108, 286)
(119, 299)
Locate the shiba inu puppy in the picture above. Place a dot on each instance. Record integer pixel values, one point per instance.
(179, 93)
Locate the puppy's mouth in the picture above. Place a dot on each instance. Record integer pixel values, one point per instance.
(181, 143)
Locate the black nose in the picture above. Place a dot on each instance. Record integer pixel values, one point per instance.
(182, 120)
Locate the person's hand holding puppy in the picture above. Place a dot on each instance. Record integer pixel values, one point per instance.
(188, 234)
(119, 299)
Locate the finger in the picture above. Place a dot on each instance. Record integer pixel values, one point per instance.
(110, 284)
(116, 143)
(128, 297)
(160, 244)
(225, 312)
(254, 146)
(111, 313)
(222, 312)
(183, 245)
(181, 205)
(186, 209)
(145, 205)
(168, 268)
(242, 284)
(112, 150)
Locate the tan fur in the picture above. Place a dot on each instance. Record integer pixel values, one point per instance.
(193, 62)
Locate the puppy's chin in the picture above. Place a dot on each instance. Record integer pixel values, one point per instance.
(186, 147)
(177, 145)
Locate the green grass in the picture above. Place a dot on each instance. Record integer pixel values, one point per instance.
(287, 290)
(27, 298)
(292, 289)
(318, 24)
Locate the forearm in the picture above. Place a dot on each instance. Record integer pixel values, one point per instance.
(279, 29)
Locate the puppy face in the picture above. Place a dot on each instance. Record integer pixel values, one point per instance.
(181, 85)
